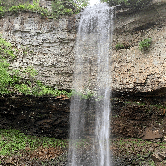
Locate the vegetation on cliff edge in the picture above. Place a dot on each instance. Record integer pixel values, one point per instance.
(134, 4)
(59, 7)
(62, 7)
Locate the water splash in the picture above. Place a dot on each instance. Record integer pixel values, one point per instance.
(89, 118)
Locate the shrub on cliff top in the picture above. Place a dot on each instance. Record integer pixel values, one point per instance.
(21, 5)
(63, 7)
(135, 4)
(59, 7)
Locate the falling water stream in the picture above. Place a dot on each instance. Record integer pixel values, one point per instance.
(90, 104)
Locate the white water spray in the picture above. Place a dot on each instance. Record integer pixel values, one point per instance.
(89, 118)
(93, 2)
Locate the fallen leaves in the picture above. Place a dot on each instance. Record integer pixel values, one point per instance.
(46, 153)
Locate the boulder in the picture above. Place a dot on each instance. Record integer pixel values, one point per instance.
(151, 134)
(155, 156)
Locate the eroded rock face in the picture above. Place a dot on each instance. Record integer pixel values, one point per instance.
(134, 69)
(48, 44)
(50, 47)
(139, 115)
(151, 134)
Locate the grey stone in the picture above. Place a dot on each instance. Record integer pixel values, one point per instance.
(162, 155)
(151, 134)
(156, 157)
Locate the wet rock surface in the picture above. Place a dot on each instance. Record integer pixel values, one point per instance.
(138, 122)
(138, 126)
(46, 116)
(139, 115)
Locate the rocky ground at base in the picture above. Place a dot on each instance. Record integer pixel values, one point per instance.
(126, 152)
(138, 128)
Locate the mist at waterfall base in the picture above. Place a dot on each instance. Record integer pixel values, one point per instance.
(90, 105)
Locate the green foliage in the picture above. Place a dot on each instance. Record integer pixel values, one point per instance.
(116, 2)
(5, 78)
(85, 94)
(145, 44)
(59, 7)
(36, 3)
(80, 4)
(2, 11)
(119, 46)
(135, 4)
(23, 88)
(69, 7)
(34, 8)
(6, 50)
(13, 141)
(30, 72)
(17, 6)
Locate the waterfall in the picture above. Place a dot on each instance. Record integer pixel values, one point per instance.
(93, 2)
(90, 104)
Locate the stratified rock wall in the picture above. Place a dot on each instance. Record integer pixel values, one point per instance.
(50, 47)
(133, 69)
(143, 71)
(49, 44)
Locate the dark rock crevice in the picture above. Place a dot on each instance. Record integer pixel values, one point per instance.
(131, 113)
(45, 116)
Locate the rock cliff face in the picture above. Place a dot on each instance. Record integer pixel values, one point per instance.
(132, 68)
(48, 44)
(50, 47)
